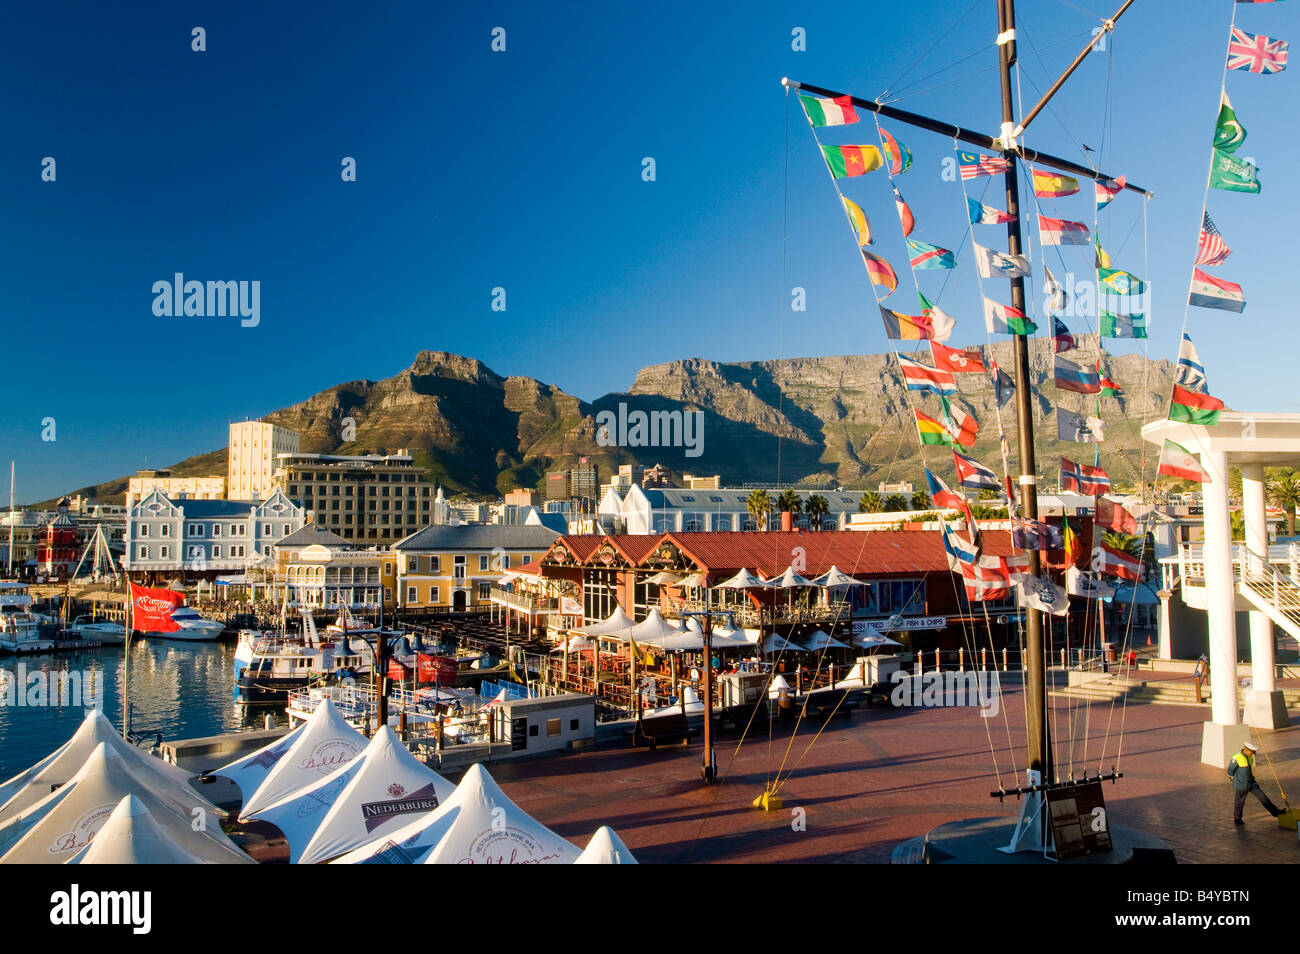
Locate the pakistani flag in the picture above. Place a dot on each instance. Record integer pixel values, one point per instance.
(1233, 175)
(1228, 132)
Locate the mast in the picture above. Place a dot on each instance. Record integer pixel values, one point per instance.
(10, 570)
(1035, 663)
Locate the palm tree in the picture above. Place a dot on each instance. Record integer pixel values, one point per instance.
(817, 509)
(1285, 493)
(920, 500)
(871, 502)
(1124, 542)
(789, 502)
(895, 502)
(759, 506)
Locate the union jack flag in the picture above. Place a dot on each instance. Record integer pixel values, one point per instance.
(974, 165)
(1082, 479)
(1211, 249)
(1253, 52)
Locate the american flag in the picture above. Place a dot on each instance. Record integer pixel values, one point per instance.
(1256, 53)
(974, 165)
(1211, 249)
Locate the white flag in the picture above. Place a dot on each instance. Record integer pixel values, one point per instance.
(1078, 583)
(993, 264)
(1040, 593)
(1072, 426)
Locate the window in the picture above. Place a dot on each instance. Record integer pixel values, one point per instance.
(165, 530)
(196, 530)
(528, 558)
(216, 529)
(216, 551)
(164, 553)
(573, 725)
(552, 727)
(433, 594)
(144, 530)
(410, 595)
(532, 730)
(286, 529)
(144, 553)
(459, 570)
(266, 529)
(485, 591)
(412, 564)
(482, 562)
(435, 564)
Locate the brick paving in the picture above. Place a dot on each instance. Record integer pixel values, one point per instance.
(889, 774)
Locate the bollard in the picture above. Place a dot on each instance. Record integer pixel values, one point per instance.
(938, 664)
(984, 659)
(1004, 659)
(269, 722)
(1062, 658)
(961, 658)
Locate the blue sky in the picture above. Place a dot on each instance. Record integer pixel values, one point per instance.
(522, 170)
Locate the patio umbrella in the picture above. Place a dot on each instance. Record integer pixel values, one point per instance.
(777, 643)
(822, 640)
(744, 580)
(875, 641)
(836, 577)
(617, 622)
(664, 578)
(789, 580)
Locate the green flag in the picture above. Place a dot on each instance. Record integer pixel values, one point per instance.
(1228, 132)
(1120, 281)
(1233, 175)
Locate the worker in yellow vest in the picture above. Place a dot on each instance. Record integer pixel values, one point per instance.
(1241, 769)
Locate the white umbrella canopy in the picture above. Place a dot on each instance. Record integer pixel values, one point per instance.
(875, 640)
(132, 837)
(692, 582)
(605, 848)
(777, 643)
(744, 580)
(682, 642)
(836, 577)
(326, 744)
(693, 625)
(574, 644)
(789, 580)
(664, 578)
(652, 630)
(820, 639)
(617, 622)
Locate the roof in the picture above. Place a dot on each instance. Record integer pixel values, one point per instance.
(313, 534)
(199, 509)
(581, 546)
(635, 547)
(479, 537)
(731, 500)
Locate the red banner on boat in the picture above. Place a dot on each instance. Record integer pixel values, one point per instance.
(439, 670)
(151, 609)
(398, 671)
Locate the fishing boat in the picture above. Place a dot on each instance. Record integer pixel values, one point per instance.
(279, 665)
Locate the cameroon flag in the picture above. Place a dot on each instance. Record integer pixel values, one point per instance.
(846, 161)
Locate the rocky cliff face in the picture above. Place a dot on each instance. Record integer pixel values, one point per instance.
(843, 419)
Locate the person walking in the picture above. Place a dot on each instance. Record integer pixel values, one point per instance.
(1241, 769)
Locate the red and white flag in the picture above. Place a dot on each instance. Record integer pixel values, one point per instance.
(1113, 516)
(151, 609)
(1106, 559)
(1211, 249)
(956, 360)
(1177, 461)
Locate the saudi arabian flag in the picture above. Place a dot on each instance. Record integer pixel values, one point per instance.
(1233, 175)
(846, 161)
(829, 112)
(1228, 132)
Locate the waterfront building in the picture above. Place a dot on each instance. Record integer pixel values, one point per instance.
(454, 567)
(317, 567)
(674, 510)
(190, 488)
(372, 499)
(204, 538)
(252, 453)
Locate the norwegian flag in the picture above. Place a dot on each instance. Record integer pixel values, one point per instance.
(1082, 479)
(1252, 52)
(974, 165)
(1211, 249)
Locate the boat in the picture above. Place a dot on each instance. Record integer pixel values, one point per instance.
(192, 627)
(464, 714)
(282, 664)
(19, 630)
(106, 632)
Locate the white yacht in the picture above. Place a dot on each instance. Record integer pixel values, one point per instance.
(19, 630)
(193, 627)
(106, 632)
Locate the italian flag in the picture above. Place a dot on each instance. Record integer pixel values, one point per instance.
(829, 112)
(847, 161)
(1177, 461)
(1193, 407)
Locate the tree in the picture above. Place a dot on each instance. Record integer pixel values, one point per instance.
(1124, 542)
(920, 500)
(895, 502)
(759, 506)
(789, 502)
(817, 508)
(1285, 493)
(871, 502)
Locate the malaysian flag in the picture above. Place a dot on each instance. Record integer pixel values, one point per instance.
(1211, 249)
(974, 165)
(1253, 52)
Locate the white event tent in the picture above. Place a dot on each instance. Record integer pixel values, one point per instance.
(132, 837)
(326, 744)
(605, 848)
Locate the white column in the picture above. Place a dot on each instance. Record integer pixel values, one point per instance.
(1220, 590)
(1166, 634)
(1261, 627)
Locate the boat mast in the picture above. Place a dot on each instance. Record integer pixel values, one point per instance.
(10, 570)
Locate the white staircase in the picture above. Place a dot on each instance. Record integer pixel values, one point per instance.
(1268, 589)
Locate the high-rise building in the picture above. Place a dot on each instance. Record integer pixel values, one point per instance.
(254, 447)
(174, 488)
(557, 485)
(368, 499)
(584, 480)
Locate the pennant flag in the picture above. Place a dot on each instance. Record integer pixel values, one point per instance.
(1082, 479)
(962, 427)
(956, 360)
(1177, 461)
(1006, 469)
(900, 327)
(943, 322)
(971, 473)
(1101, 259)
(1040, 593)
(1123, 326)
(920, 377)
(880, 272)
(1004, 386)
(1255, 53)
(1030, 534)
(1113, 516)
(900, 159)
(931, 431)
(1229, 133)
(974, 165)
(925, 255)
(1120, 281)
(1074, 377)
(1112, 562)
(942, 496)
(960, 551)
(1232, 174)
(829, 112)
(1073, 426)
(1191, 373)
(981, 214)
(1211, 249)
(858, 219)
(1108, 387)
(904, 213)
(1086, 585)
(847, 161)
(1062, 340)
(1061, 232)
(993, 264)
(1107, 189)
(1055, 294)
(1194, 407)
(1049, 185)
(1210, 292)
(1073, 543)
(1005, 320)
